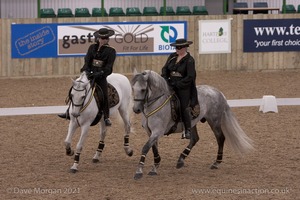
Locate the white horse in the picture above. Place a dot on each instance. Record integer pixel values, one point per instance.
(152, 98)
(83, 110)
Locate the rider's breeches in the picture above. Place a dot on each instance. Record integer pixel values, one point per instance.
(103, 84)
(184, 97)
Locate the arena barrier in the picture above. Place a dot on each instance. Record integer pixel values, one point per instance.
(235, 60)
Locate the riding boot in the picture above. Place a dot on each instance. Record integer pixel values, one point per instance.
(187, 124)
(106, 115)
(103, 104)
(65, 115)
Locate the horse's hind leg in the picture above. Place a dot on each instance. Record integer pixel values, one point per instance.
(127, 126)
(194, 139)
(220, 139)
(157, 159)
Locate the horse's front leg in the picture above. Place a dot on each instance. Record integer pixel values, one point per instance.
(157, 159)
(79, 146)
(194, 139)
(145, 150)
(101, 144)
(127, 148)
(72, 128)
(127, 126)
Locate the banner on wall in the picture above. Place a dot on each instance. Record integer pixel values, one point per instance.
(214, 36)
(58, 40)
(271, 35)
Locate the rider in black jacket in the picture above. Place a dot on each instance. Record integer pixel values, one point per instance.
(180, 73)
(99, 62)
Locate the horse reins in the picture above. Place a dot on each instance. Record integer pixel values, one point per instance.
(84, 106)
(159, 107)
(146, 100)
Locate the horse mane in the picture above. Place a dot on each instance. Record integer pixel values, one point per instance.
(154, 80)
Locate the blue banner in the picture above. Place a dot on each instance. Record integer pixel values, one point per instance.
(271, 35)
(73, 39)
(33, 41)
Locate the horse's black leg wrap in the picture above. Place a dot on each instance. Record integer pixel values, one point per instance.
(142, 159)
(126, 140)
(185, 152)
(101, 146)
(76, 159)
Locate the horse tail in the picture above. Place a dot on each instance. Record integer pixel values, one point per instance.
(234, 134)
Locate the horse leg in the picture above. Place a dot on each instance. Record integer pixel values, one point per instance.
(68, 140)
(157, 159)
(79, 146)
(220, 139)
(101, 144)
(127, 126)
(194, 139)
(145, 150)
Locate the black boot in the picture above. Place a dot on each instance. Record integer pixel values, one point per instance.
(106, 113)
(64, 115)
(107, 122)
(186, 134)
(187, 124)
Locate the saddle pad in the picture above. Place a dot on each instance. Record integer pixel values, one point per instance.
(175, 109)
(113, 96)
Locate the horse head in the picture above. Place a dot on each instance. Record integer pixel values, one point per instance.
(146, 86)
(78, 94)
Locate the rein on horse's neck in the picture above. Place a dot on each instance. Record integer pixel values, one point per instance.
(159, 107)
(90, 99)
(149, 102)
(90, 87)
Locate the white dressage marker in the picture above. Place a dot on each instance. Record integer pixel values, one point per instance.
(268, 104)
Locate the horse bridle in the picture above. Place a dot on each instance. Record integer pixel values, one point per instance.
(150, 102)
(83, 107)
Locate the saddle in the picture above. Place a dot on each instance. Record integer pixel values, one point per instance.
(176, 114)
(113, 99)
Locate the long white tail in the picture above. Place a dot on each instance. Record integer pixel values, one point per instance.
(234, 134)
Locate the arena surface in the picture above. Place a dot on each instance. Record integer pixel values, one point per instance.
(34, 165)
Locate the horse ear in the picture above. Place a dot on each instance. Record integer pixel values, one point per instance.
(135, 72)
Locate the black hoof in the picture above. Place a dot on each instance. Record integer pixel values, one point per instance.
(73, 171)
(179, 165)
(130, 153)
(151, 173)
(214, 166)
(96, 160)
(138, 176)
(71, 153)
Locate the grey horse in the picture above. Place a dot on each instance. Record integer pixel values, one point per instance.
(152, 98)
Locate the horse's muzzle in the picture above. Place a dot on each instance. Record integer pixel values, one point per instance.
(76, 114)
(137, 110)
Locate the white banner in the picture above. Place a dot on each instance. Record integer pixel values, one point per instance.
(214, 36)
(131, 38)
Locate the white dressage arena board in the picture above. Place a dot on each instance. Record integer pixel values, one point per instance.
(61, 109)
